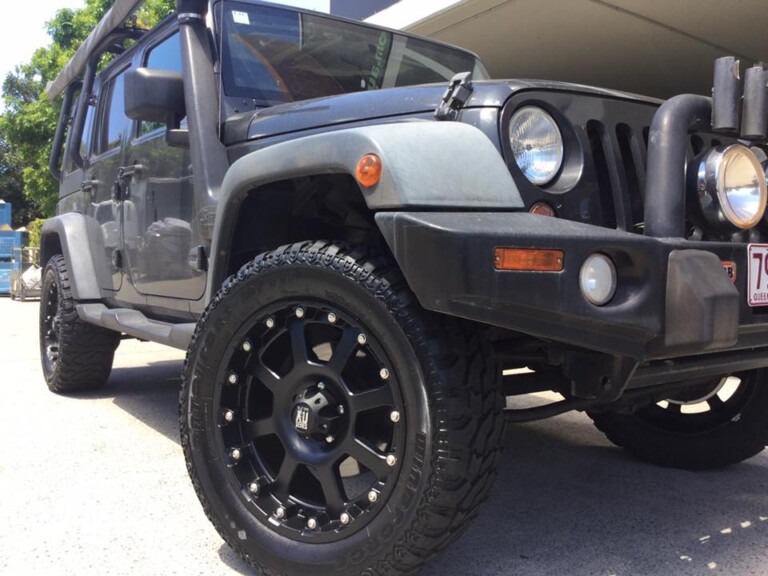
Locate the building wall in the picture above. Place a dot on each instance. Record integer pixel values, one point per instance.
(359, 9)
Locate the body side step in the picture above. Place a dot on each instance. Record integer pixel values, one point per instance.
(134, 323)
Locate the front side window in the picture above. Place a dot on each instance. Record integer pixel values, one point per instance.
(114, 123)
(274, 55)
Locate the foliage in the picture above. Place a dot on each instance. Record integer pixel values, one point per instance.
(29, 122)
(34, 228)
(11, 186)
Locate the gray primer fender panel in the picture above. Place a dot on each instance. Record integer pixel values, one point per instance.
(72, 231)
(425, 165)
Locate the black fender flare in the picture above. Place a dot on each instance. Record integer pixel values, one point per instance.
(68, 235)
(426, 165)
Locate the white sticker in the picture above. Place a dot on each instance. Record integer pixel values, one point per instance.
(240, 17)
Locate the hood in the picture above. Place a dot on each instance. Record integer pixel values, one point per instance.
(380, 104)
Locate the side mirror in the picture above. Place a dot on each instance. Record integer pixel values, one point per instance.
(157, 96)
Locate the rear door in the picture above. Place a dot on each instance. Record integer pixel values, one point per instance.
(112, 130)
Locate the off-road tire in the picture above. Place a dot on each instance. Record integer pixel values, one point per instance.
(739, 431)
(85, 352)
(455, 395)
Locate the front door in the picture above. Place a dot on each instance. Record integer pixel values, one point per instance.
(161, 238)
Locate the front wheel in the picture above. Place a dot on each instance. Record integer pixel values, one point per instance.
(330, 425)
(711, 424)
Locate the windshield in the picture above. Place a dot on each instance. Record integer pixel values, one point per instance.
(273, 55)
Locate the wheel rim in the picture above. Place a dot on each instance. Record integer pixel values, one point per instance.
(311, 420)
(51, 327)
(705, 407)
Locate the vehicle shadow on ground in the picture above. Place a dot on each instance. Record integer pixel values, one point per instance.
(565, 501)
(150, 393)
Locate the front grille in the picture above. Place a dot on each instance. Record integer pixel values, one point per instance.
(603, 182)
(619, 154)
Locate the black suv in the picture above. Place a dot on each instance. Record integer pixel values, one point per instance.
(365, 245)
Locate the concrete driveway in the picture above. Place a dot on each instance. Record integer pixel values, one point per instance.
(96, 485)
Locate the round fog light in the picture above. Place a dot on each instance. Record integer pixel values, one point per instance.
(597, 279)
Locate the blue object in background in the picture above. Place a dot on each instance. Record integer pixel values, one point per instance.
(5, 214)
(9, 241)
(5, 277)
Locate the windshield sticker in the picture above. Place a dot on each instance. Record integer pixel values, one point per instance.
(379, 61)
(240, 17)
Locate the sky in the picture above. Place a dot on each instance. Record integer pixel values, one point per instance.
(22, 34)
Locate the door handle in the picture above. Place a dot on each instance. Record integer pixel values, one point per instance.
(89, 185)
(125, 172)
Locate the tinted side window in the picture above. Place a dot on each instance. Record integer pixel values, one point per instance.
(84, 144)
(114, 123)
(164, 56)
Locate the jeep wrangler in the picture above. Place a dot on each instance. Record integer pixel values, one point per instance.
(367, 248)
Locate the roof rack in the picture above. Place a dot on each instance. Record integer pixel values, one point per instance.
(114, 19)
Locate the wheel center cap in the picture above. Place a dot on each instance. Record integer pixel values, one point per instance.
(315, 412)
(301, 418)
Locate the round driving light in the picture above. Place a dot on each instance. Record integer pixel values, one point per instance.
(537, 144)
(597, 279)
(733, 180)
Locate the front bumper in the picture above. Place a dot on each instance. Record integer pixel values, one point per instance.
(673, 297)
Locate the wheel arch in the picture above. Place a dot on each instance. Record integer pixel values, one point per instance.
(67, 235)
(426, 166)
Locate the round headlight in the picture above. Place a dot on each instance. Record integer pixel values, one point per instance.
(537, 144)
(733, 179)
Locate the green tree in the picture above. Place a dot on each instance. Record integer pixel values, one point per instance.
(12, 188)
(29, 121)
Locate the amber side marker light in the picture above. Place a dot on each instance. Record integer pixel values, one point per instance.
(528, 259)
(368, 171)
(543, 209)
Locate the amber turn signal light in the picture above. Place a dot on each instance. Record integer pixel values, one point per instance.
(368, 172)
(528, 259)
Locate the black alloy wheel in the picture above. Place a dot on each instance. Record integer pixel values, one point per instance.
(51, 327)
(712, 423)
(75, 355)
(330, 425)
(310, 417)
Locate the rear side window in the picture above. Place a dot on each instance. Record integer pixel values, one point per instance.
(114, 125)
(164, 56)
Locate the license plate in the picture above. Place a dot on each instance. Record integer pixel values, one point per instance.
(757, 255)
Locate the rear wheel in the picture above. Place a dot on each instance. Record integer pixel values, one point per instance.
(330, 425)
(75, 355)
(711, 424)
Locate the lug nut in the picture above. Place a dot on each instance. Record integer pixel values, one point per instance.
(331, 317)
(329, 439)
(321, 385)
(229, 415)
(299, 312)
(235, 454)
(361, 339)
(344, 518)
(373, 496)
(311, 523)
(253, 487)
(247, 346)
(391, 459)
(270, 323)
(384, 374)
(395, 416)
(340, 409)
(232, 378)
(280, 512)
